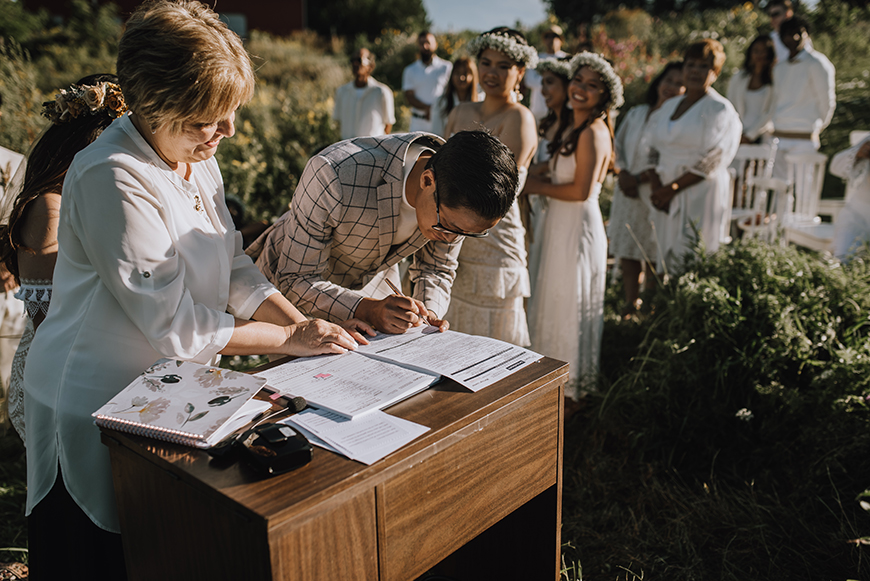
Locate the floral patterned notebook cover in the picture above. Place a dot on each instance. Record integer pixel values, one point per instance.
(179, 401)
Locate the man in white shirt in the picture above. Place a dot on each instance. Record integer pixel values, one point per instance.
(553, 44)
(804, 90)
(424, 81)
(364, 107)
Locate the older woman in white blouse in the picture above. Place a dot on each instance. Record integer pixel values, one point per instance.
(149, 266)
(694, 139)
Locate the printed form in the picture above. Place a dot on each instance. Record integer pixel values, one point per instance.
(471, 360)
(348, 384)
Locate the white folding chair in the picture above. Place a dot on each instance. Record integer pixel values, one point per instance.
(802, 224)
(771, 197)
(750, 162)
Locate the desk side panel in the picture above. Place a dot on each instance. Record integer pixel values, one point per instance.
(483, 474)
(338, 541)
(173, 532)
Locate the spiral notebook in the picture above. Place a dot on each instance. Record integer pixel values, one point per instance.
(181, 402)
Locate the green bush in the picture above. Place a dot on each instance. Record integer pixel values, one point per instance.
(742, 412)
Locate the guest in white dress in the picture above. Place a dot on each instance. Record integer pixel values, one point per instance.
(852, 227)
(630, 231)
(694, 139)
(566, 313)
(493, 279)
(555, 75)
(28, 240)
(751, 91)
(149, 265)
(462, 88)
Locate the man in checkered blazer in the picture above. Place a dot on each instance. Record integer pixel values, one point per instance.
(364, 204)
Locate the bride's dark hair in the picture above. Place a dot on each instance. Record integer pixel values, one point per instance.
(46, 169)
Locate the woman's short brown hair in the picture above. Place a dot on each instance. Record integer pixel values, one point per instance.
(178, 62)
(703, 50)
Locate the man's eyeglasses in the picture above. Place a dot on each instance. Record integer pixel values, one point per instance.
(775, 13)
(439, 228)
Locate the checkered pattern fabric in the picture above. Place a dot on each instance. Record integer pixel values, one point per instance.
(338, 232)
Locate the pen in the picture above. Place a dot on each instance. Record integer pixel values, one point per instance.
(399, 293)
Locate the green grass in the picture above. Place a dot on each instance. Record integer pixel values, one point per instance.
(13, 493)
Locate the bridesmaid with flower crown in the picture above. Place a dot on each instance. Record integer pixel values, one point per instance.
(566, 312)
(492, 280)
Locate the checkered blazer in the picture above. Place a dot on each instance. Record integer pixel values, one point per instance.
(338, 232)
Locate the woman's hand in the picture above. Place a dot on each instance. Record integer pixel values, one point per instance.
(316, 337)
(534, 183)
(539, 169)
(661, 198)
(358, 330)
(627, 184)
(863, 151)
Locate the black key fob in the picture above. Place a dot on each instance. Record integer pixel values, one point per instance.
(272, 449)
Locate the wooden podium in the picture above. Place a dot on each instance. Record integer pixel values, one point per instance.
(478, 496)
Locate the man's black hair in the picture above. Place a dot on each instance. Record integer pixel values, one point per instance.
(794, 24)
(475, 170)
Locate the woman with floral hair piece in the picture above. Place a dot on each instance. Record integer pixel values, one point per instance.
(28, 239)
(555, 75)
(566, 312)
(692, 143)
(493, 279)
(149, 265)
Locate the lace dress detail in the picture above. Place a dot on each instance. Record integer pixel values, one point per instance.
(492, 282)
(36, 295)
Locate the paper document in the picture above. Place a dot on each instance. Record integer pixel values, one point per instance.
(366, 439)
(348, 384)
(471, 360)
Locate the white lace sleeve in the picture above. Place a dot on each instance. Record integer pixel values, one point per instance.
(36, 295)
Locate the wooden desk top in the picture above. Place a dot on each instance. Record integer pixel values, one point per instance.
(449, 410)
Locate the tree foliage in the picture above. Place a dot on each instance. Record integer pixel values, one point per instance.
(579, 12)
(349, 18)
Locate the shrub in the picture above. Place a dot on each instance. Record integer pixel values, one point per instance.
(742, 413)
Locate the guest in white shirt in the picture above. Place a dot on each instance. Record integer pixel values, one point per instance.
(149, 266)
(852, 227)
(364, 107)
(751, 91)
(553, 50)
(424, 80)
(804, 91)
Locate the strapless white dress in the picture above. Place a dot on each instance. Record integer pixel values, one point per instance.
(566, 311)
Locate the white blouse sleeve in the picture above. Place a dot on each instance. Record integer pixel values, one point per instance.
(620, 140)
(123, 234)
(248, 286)
(720, 138)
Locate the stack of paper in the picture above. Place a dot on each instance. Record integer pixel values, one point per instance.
(350, 389)
(366, 439)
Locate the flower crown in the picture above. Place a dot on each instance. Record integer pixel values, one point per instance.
(597, 63)
(523, 54)
(556, 66)
(79, 100)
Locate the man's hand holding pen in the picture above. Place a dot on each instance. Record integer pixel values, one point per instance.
(397, 313)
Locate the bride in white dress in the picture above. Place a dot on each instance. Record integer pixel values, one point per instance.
(566, 312)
